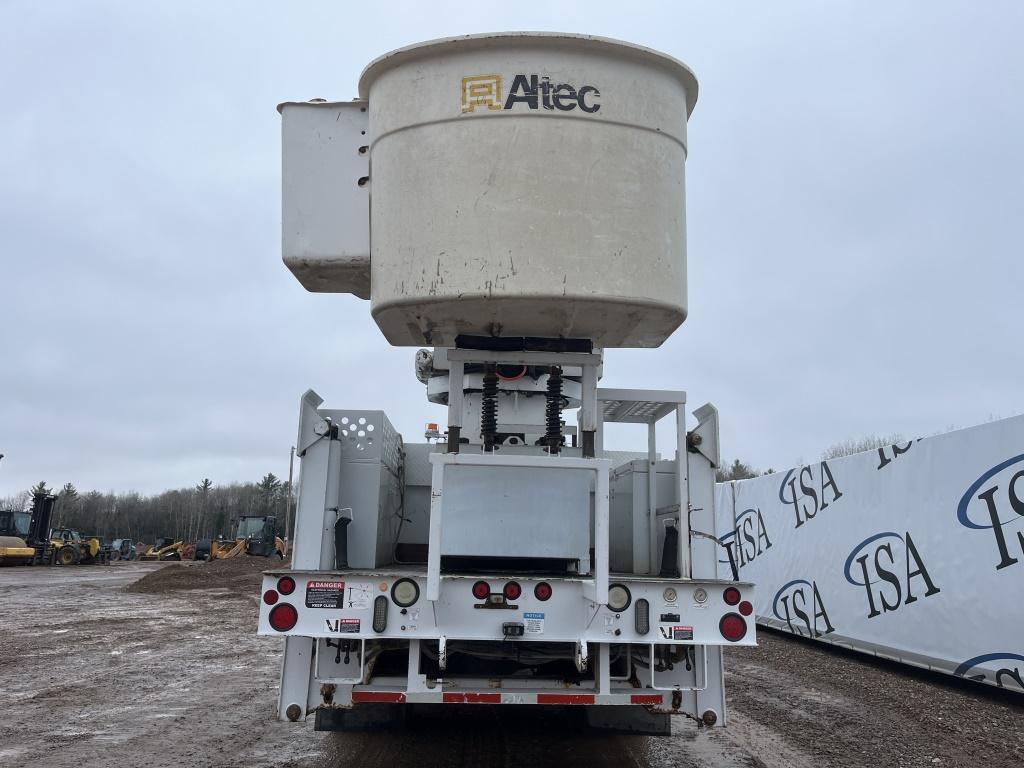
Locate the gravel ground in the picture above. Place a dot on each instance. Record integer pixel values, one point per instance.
(169, 672)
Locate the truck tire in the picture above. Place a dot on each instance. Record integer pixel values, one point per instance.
(67, 556)
(115, 555)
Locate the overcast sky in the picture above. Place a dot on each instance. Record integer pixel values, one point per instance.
(855, 186)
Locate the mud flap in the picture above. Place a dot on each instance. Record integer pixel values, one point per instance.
(628, 719)
(363, 717)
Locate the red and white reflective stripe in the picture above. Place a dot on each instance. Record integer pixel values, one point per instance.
(650, 699)
(472, 698)
(645, 698)
(565, 698)
(378, 697)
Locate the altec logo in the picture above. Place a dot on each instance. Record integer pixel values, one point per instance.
(1007, 675)
(533, 91)
(810, 498)
(800, 599)
(748, 539)
(995, 501)
(886, 559)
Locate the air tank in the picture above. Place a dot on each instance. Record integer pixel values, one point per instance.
(527, 184)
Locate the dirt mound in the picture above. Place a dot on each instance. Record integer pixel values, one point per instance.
(239, 574)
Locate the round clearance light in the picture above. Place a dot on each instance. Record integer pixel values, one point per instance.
(619, 597)
(746, 608)
(700, 595)
(542, 591)
(731, 595)
(512, 591)
(481, 590)
(405, 592)
(283, 617)
(270, 597)
(733, 627)
(286, 585)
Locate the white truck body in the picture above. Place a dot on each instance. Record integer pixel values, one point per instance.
(511, 558)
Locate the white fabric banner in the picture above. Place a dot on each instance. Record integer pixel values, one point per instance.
(914, 552)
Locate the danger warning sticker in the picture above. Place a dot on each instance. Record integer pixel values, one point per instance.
(342, 626)
(682, 633)
(325, 594)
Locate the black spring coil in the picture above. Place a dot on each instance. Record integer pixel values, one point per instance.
(489, 407)
(553, 411)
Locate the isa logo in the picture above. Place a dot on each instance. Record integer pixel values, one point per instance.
(889, 567)
(809, 492)
(799, 600)
(749, 539)
(1007, 674)
(995, 502)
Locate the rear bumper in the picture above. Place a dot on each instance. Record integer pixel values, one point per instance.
(361, 605)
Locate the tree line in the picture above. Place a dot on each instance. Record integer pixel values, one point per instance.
(203, 511)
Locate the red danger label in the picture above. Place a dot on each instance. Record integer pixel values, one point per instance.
(325, 594)
(682, 633)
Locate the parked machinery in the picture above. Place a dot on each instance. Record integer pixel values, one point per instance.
(71, 548)
(255, 535)
(14, 530)
(164, 549)
(528, 212)
(122, 549)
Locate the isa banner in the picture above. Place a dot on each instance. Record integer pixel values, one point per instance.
(914, 552)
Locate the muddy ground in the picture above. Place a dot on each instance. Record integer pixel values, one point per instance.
(169, 672)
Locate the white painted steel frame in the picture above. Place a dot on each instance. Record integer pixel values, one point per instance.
(660, 403)
(596, 589)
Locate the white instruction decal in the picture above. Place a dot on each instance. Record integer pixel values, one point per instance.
(534, 623)
(358, 595)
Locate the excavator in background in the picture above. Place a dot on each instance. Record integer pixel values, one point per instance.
(256, 535)
(164, 549)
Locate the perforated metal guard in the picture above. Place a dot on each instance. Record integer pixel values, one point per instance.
(635, 411)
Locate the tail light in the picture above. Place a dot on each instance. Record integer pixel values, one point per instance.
(283, 617)
(270, 597)
(733, 627)
(481, 590)
(542, 591)
(512, 590)
(286, 585)
(731, 595)
(619, 597)
(642, 616)
(380, 613)
(405, 592)
(746, 608)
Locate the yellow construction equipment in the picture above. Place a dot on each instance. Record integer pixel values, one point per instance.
(256, 535)
(71, 548)
(164, 549)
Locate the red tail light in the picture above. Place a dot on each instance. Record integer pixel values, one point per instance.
(283, 617)
(512, 591)
(286, 585)
(542, 591)
(481, 590)
(746, 608)
(733, 627)
(731, 595)
(270, 597)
